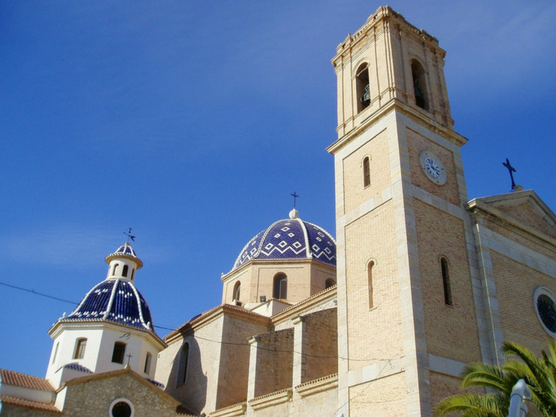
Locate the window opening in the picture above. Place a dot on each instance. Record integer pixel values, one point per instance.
(237, 291)
(363, 88)
(182, 368)
(121, 408)
(370, 282)
(280, 286)
(446, 281)
(118, 353)
(329, 283)
(132, 273)
(148, 363)
(124, 271)
(114, 269)
(419, 85)
(366, 172)
(80, 346)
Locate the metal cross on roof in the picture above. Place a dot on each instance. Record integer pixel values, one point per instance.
(129, 356)
(295, 197)
(511, 170)
(129, 236)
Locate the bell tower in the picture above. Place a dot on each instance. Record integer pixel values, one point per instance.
(406, 269)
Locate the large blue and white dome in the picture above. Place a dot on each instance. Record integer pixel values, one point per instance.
(115, 300)
(290, 238)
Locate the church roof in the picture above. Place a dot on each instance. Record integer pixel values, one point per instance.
(25, 381)
(290, 238)
(115, 300)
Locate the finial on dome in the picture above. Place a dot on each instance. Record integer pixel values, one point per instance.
(294, 214)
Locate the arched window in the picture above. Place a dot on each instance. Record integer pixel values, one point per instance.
(419, 85)
(148, 360)
(121, 407)
(363, 88)
(237, 291)
(114, 269)
(329, 283)
(446, 281)
(182, 366)
(280, 286)
(132, 273)
(124, 271)
(118, 353)
(366, 172)
(370, 266)
(80, 345)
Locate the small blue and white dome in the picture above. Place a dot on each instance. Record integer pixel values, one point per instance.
(116, 299)
(290, 238)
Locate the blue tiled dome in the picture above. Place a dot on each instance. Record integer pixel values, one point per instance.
(290, 239)
(115, 300)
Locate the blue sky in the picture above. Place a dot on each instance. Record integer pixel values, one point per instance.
(193, 122)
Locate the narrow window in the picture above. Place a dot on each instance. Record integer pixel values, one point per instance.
(182, 367)
(148, 363)
(237, 291)
(329, 283)
(132, 273)
(419, 85)
(118, 353)
(370, 283)
(446, 281)
(124, 271)
(55, 352)
(363, 88)
(80, 345)
(366, 172)
(280, 286)
(114, 269)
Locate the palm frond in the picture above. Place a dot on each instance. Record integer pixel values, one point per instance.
(474, 405)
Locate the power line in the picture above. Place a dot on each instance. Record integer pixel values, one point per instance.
(202, 338)
(38, 293)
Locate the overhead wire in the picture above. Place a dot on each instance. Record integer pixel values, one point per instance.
(206, 339)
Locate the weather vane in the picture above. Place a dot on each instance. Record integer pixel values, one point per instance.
(129, 235)
(511, 170)
(295, 197)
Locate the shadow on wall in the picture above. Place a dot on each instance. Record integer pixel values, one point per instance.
(188, 382)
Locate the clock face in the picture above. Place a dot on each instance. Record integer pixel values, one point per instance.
(433, 167)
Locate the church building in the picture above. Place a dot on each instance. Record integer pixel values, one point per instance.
(379, 321)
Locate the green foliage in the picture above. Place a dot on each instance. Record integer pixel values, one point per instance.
(539, 374)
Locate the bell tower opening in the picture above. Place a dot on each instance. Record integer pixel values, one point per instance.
(363, 87)
(419, 85)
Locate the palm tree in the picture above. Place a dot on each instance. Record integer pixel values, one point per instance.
(539, 374)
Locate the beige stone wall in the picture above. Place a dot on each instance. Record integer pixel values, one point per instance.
(515, 284)
(373, 333)
(321, 334)
(381, 397)
(234, 360)
(305, 278)
(521, 238)
(354, 191)
(201, 385)
(319, 274)
(527, 214)
(93, 398)
(274, 362)
(451, 331)
(417, 143)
